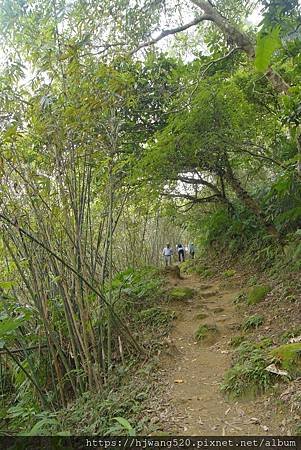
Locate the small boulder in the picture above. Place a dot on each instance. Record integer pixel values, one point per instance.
(181, 293)
(288, 357)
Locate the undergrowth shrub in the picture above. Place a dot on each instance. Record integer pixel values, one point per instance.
(235, 341)
(252, 322)
(247, 376)
(289, 334)
(156, 316)
(138, 283)
(123, 397)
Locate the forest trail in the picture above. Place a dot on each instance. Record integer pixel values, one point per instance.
(194, 371)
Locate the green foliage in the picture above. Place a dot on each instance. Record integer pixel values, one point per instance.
(47, 424)
(206, 273)
(122, 425)
(257, 294)
(189, 266)
(223, 231)
(252, 322)
(267, 43)
(91, 137)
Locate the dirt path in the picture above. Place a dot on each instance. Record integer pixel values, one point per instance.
(194, 371)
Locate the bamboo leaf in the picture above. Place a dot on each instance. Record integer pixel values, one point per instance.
(266, 45)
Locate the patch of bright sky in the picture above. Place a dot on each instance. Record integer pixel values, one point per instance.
(256, 17)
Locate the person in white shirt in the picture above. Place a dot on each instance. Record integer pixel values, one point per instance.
(191, 250)
(167, 253)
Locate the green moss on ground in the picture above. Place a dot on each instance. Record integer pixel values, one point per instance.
(257, 294)
(229, 273)
(206, 332)
(289, 358)
(181, 293)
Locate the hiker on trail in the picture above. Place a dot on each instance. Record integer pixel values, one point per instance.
(191, 250)
(167, 253)
(181, 252)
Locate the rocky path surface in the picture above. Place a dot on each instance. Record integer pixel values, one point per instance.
(193, 372)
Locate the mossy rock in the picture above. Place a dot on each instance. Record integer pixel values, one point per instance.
(206, 333)
(257, 294)
(218, 310)
(289, 357)
(181, 293)
(201, 316)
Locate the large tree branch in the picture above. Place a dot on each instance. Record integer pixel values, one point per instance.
(217, 196)
(193, 199)
(240, 38)
(171, 31)
(201, 181)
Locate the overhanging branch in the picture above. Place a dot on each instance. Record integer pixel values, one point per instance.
(193, 199)
(172, 31)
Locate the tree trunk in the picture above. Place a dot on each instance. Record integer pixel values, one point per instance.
(250, 203)
(241, 40)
